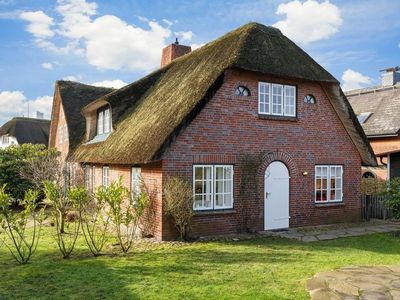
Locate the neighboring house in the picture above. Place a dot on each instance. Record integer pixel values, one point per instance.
(250, 96)
(21, 130)
(378, 110)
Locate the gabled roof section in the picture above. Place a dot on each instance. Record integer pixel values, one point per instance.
(148, 114)
(383, 103)
(27, 130)
(74, 96)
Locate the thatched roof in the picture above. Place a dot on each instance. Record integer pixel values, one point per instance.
(74, 96)
(149, 113)
(27, 130)
(383, 103)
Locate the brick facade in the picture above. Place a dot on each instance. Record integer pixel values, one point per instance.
(229, 125)
(229, 128)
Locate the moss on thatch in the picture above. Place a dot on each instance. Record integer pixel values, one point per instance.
(149, 113)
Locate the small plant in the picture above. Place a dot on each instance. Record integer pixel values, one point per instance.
(179, 204)
(65, 203)
(124, 212)
(95, 222)
(393, 194)
(22, 242)
(373, 186)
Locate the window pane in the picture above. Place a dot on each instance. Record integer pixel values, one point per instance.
(219, 200)
(264, 97)
(207, 173)
(290, 101)
(277, 99)
(219, 186)
(228, 200)
(219, 173)
(100, 122)
(198, 201)
(107, 120)
(198, 173)
(208, 201)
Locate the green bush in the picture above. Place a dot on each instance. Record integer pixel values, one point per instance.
(373, 186)
(22, 239)
(13, 163)
(393, 194)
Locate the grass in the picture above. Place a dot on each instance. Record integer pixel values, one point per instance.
(264, 268)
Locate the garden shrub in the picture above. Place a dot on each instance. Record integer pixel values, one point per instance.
(373, 186)
(64, 202)
(124, 212)
(178, 201)
(22, 238)
(95, 222)
(13, 161)
(393, 197)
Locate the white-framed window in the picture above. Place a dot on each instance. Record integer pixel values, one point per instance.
(212, 187)
(106, 176)
(6, 139)
(276, 99)
(328, 183)
(87, 177)
(103, 120)
(136, 174)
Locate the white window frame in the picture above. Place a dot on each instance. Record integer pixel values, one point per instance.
(87, 176)
(106, 176)
(328, 188)
(213, 187)
(104, 120)
(136, 181)
(6, 139)
(269, 97)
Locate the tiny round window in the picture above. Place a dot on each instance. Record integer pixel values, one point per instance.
(368, 174)
(242, 91)
(310, 99)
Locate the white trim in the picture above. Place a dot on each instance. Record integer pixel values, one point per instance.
(106, 178)
(213, 186)
(328, 184)
(271, 96)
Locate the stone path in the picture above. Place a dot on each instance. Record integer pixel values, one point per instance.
(356, 283)
(330, 232)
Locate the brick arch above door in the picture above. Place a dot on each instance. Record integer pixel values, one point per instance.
(278, 155)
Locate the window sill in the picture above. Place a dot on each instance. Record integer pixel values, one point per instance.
(278, 118)
(329, 204)
(213, 212)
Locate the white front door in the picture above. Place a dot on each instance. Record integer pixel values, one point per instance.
(276, 196)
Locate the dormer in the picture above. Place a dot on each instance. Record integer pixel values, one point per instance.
(98, 121)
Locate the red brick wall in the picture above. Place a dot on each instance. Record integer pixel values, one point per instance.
(152, 176)
(172, 52)
(230, 125)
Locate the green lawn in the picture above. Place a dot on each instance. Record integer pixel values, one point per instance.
(264, 268)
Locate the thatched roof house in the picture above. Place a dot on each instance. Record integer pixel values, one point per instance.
(263, 132)
(27, 130)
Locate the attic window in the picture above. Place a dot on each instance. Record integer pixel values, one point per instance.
(103, 120)
(242, 91)
(310, 99)
(363, 117)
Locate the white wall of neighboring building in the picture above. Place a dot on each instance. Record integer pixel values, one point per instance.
(7, 140)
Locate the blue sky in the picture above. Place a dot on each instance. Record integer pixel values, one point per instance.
(115, 42)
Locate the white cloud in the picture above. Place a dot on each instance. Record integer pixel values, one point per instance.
(47, 66)
(309, 21)
(15, 103)
(353, 80)
(73, 77)
(185, 35)
(107, 42)
(117, 83)
(39, 23)
(196, 46)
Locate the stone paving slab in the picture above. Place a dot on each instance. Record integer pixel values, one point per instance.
(331, 232)
(356, 282)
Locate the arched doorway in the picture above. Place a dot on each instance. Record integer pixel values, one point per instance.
(276, 196)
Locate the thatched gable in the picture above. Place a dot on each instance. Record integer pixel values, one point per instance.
(73, 97)
(149, 113)
(27, 130)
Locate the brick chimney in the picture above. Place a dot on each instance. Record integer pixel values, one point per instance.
(390, 76)
(173, 51)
